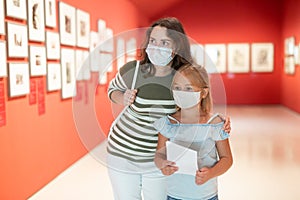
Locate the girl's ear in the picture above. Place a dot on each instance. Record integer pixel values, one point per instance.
(204, 93)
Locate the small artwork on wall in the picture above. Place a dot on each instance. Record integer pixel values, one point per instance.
(2, 21)
(238, 58)
(262, 57)
(197, 52)
(50, 13)
(52, 45)
(16, 9)
(289, 45)
(67, 24)
(68, 78)
(17, 40)
(83, 28)
(18, 79)
(215, 58)
(53, 76)
(37, 60)
(289, 65)
(3, 65)
(35, 19)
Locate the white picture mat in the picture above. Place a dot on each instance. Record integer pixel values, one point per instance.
(238, 58)
(50, 13)
(52, 45)
(38, 63)
(2, 18)
(131, 47)
(289, 45)
(82, 65)
(289, 65)
(36, 20)
(68, 73)
(3, 64)
(18, 79)
(53, 76)
(83, 28)
(262, 57)
(17, 40)
(16, 11)
(67, 24)
(215, 58)
(120, 52)
(197, 52)
(94, 55)
(185, 158)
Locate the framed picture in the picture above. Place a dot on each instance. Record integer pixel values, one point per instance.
(108, 44)
(17, 40)
(238, 58)
(16, 9)
(3, 65)
(52, 45)
(18, 79)
(120, 52)
(53, 76)
(215, 58)
(101, 32)
(289, 46)
(106, 62)
(2, 18)
(83, 28)
(297, 54)
(131, 47)
(37, 60)
(35, 20)
(82, 65)
(67, 24)
(262, 58)
(289, 65)
(50, 13)
(197, 52)
(68, 81)
(94, 55)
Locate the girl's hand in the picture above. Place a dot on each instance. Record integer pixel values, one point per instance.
(168, 168)
(202, 175)
(129, 97)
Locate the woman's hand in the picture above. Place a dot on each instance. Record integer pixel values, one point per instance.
(168, 168)
(227, 125)
(129, 97)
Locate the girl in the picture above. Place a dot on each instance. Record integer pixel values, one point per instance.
(193, 126)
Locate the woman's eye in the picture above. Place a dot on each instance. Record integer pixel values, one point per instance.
(151, 41)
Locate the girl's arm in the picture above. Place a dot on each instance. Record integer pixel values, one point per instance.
(161, 162)
(225, 162)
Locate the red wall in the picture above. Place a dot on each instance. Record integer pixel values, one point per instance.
(291, 27)
(34, 148)
(236, 21)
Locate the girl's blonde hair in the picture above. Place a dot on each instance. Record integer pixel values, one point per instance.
(199, 77)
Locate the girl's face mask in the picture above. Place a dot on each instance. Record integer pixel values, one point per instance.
(159, 56)
(185, 99)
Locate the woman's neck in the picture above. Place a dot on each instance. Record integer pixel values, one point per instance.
(162, 70)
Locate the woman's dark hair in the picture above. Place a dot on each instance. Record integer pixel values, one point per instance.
(182, 46)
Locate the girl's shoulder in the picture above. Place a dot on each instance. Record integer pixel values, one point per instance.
(216, 118)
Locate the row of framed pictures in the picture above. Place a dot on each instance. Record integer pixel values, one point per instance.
(291, 55)
(215, 57)
(74, 23)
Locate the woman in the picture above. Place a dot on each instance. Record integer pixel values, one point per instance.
(132, 140)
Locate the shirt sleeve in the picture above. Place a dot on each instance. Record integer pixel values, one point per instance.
(163, 127)
(219, 133)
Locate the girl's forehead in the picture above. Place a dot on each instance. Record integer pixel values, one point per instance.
(180, 78)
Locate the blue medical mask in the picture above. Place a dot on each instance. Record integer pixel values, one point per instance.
(160, 56)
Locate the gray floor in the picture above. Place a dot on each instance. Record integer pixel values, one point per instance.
(265, 145)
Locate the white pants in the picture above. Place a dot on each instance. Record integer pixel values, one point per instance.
(131, 181)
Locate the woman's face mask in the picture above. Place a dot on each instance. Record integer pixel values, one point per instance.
(159, 56)
(185, 99)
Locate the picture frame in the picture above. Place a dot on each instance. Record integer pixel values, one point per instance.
(106, 62)
(289, 65)
(238, 58)
(108, 43)
(94, 52)
(289, 46)
(83, 28)
(36, 20)
(68, 79)
(215, 58)
(52, 45)
(120, 53)
(67, 24)
(38, 63)
(197, 52)
(53, 76)
(82, 65)
(18, 79)
(2, 18)
(3, 65)
(17, 40)
(16, 9)
(131, 47)
(101, 34)
(297, 54)
(262, 57)
(50, 13)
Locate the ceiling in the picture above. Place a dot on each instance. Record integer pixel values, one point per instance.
(153, 8)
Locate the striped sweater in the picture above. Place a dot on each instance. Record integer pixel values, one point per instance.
(133, 137)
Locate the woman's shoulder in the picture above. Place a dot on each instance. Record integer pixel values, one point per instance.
(128, 67)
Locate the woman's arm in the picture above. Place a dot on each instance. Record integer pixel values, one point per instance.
(123, 98)
(161, 162)
(225, 162)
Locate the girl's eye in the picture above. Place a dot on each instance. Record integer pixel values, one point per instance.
(189, 89)
(176, 88)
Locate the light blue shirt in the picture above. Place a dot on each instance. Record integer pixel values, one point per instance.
(201, 138)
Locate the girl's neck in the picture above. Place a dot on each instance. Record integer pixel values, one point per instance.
(192, 116)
